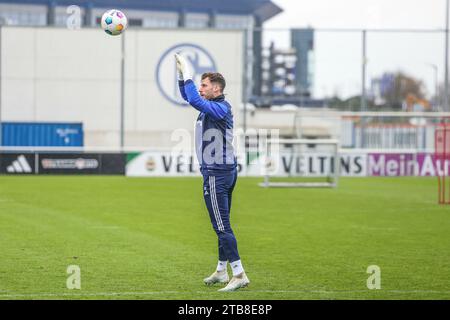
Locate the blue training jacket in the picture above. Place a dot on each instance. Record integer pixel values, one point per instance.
(213, 130)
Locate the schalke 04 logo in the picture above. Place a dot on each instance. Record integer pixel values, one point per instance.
(166, 74)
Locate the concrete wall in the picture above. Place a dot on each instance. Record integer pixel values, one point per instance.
(56, 74)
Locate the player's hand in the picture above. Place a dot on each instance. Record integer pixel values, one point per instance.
(183, 67)
(179, 70)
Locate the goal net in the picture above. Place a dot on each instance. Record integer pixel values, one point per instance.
(312, 163)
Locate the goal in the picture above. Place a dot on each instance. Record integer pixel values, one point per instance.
(306, 163)
(442, 155)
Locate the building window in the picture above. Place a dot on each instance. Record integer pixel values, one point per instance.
(22, 15)
(160, 23)
(197, 21)
(233, 22)
(61, 20)
(132, 22)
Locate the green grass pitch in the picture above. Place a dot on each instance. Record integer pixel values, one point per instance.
(151, 238)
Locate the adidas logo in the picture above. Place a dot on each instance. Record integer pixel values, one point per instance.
(206, 192)
(20, 166)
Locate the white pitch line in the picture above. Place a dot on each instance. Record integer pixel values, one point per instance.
(106, 294)
(87, 294)
(348, 291)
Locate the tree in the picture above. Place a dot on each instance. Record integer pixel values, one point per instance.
(403, 90)
(393, 91)
(352, 103)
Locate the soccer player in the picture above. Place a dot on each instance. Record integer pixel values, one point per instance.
(215, 153)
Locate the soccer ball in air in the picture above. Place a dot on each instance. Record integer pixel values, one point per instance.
(114, 22)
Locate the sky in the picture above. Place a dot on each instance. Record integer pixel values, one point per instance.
(338, 55)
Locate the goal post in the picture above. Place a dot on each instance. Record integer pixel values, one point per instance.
(301, 163)
(442, 155)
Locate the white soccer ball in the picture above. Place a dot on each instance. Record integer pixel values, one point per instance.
(114, 22)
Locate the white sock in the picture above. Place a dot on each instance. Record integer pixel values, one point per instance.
(237, 268)
(221, 266)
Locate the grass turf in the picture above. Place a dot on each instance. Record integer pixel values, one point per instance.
(151, 238)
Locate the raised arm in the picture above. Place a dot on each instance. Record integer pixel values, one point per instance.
(182, 91)
(216, 109)
(189, 92)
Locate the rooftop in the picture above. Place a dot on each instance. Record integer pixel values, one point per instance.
(262, 9)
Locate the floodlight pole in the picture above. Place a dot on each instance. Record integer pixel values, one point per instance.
(245, 78)
(363, 73)
(446, 59)
(436, 86)
(122, 93)
(1, 96)
(363, 84)
(248, 71)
